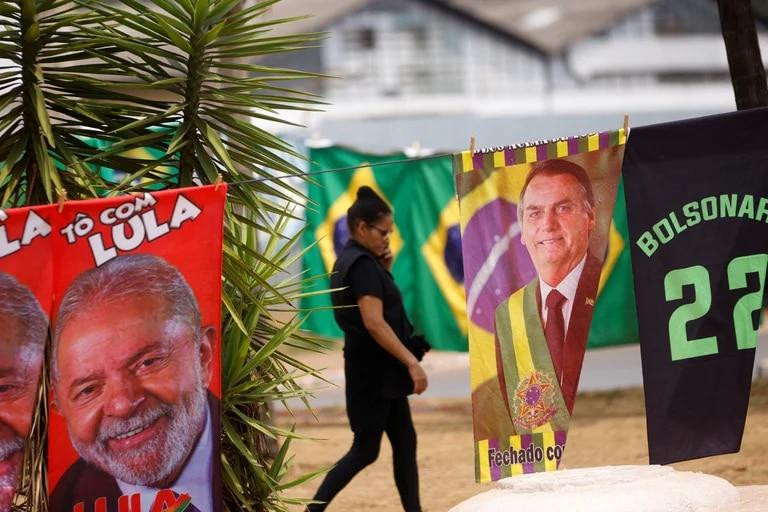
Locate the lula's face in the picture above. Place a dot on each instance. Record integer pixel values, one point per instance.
(556, 224)
(20, 362)
(131, 386)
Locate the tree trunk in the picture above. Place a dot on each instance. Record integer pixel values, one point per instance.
(737, 24)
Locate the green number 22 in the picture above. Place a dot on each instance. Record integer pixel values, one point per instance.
(698, 276)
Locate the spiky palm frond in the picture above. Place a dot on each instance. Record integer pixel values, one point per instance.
(256, 372)
(88, 85)
(54, 96)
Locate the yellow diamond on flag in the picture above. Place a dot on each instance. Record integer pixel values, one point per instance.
(447, 268)
(615, 246)
(332, 234)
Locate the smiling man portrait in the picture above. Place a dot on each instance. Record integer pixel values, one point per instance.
(552, 313)
(23, 331)
(131, 363)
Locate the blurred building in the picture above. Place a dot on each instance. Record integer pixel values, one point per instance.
(505, 71)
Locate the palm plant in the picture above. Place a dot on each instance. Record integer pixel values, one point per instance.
(177, 78)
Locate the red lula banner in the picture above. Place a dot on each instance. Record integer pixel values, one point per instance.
(26, 277)
(135, 353)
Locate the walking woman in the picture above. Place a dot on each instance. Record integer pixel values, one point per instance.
(380, 371)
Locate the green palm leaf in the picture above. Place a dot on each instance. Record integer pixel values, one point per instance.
(103, 97)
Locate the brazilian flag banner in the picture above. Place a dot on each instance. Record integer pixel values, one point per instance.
(697, 198)
(537, 230)
(426, 242)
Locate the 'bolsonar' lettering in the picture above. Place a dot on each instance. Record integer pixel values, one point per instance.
(705, 209)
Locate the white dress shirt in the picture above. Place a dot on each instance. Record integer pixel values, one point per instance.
(196, 479)
(567, 287)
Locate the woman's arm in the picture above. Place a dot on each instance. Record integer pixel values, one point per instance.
(372, 312)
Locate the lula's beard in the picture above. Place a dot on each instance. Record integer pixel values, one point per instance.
(8, 479)
(170, 448)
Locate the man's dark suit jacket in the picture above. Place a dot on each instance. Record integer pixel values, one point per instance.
(85, 483)
(491, 399)
(578, 329)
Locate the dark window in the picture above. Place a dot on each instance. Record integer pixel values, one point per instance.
(682, 77)
(420, 36)
(686, 17)
(365, 38)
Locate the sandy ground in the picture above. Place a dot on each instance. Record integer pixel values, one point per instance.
(608, 428)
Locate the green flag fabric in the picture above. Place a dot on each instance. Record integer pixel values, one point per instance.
(426, 242)
(614, 321)
(163, 172)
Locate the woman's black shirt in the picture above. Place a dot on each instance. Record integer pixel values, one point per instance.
(359, 273)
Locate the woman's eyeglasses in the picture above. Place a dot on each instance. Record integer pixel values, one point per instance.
(383, 232)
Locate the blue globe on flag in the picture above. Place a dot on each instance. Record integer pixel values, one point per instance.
(499, 264)
(340, 234)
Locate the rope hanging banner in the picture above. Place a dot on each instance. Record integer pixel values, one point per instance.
(472, 152)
